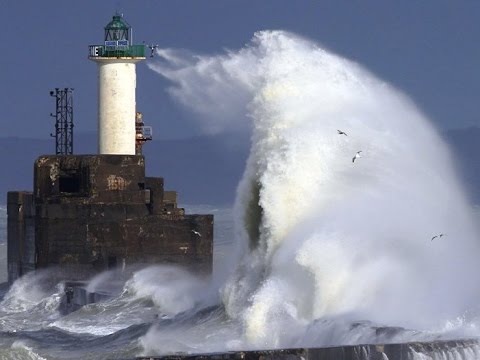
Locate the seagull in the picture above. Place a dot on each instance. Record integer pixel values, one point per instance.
(437, 236)
(357, 155)
(196, 233)
(340, 132)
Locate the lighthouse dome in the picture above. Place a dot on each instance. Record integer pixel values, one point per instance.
(117, 29)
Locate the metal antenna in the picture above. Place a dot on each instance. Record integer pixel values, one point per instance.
(152, 49)
(63, 121)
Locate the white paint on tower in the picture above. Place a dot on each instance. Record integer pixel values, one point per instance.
(116, 106)
(116, 60)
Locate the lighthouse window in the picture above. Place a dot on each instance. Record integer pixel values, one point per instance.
(69, 183)
(116, 34)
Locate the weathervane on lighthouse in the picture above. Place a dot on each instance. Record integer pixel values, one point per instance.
(116, 60)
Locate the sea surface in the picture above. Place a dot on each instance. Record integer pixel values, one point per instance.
(32, 328)
(148, 311)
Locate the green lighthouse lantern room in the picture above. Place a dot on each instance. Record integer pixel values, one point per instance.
(117, 42)
(116, 31)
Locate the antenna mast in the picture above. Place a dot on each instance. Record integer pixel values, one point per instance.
(63, 121)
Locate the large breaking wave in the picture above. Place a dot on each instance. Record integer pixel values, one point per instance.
(321, 236)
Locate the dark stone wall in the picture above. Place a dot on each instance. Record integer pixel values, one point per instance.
(21, 234)
(406, 351)
(97, 212)
(96, 178)
(112, 240)
(156, 191)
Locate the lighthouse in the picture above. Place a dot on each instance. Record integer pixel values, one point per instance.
(116, 59)
(94, 212)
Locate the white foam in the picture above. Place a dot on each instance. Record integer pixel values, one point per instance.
(323, 236)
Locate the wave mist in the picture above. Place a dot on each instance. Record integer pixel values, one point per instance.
(325, 242)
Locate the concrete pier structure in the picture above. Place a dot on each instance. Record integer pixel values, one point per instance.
(461, 349)
(90, 213)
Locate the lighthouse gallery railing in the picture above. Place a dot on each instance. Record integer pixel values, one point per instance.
(116, 51)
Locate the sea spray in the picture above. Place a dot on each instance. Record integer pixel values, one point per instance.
(31, 302)
(148, 295)
(323, 236)
(21, 350)
(171, 288)
(32, 290)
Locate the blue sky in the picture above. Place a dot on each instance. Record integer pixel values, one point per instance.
(427, 49)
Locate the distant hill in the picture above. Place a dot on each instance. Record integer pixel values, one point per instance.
(205, 169)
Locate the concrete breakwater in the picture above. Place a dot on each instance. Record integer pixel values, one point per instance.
(465, 349)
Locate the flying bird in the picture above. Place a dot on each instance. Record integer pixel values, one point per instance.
(357, 155)
(196, 233)
(340, 132)
(437, 236)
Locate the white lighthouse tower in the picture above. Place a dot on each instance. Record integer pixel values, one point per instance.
(116, 60)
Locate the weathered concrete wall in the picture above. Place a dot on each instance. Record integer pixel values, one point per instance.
(107, 178)
(445, 349)
(106, 238)
(155, 195)
(97, 212)
(21, 234)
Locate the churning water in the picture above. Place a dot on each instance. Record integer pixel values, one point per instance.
(327, 240)
(319, 250)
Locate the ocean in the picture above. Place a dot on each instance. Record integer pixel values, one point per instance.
(32, 328)
(321, 248)
(158, 312)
